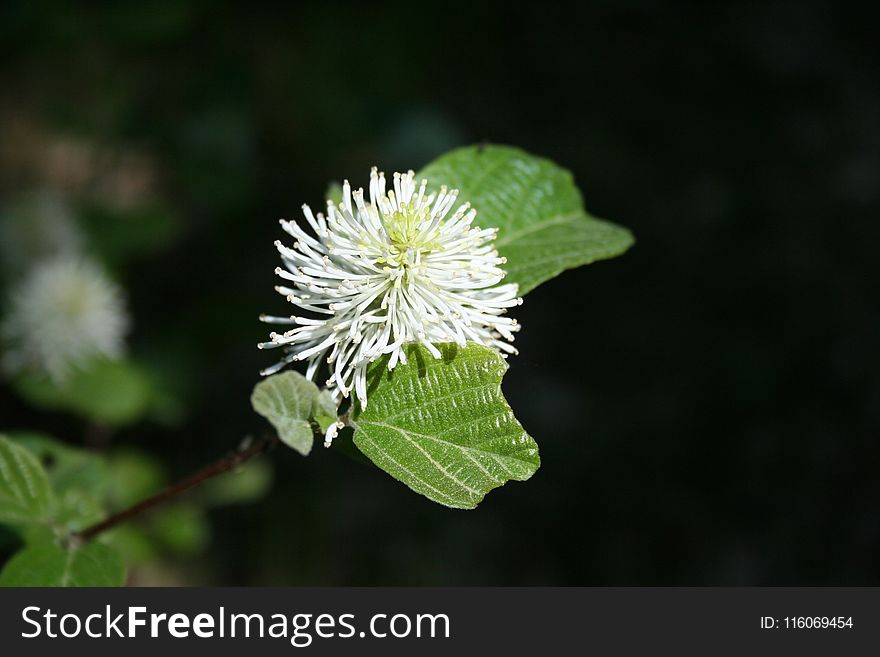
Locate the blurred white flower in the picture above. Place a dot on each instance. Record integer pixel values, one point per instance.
(34, 228)
(380, 275)
(65, 313)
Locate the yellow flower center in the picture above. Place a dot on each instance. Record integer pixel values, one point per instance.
(408, 242)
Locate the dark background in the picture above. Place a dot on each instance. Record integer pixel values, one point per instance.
(707, 405)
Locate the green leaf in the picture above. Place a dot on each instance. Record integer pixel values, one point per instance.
(47, 564)
(133, 543)
(119, 235)
(443, 427)
(543, 228)
(73, 511)
(25, 492)
(287, 401)
(247, 483)
(324, 410)
(133, 475)
(77, 509)
(68, 467)
(334, 192)
(108, 392)
(78, 479)
(181, 528)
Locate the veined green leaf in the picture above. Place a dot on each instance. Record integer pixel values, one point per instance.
(47, 564)
(68, 467)
(543, 228)
(287, 401)
(443, 427)
(25, 492)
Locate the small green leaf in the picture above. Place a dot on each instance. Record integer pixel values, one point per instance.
(324, 410)
(181, 528)
(543, 228)
(334, 193)
(47, 564)
(133, 475)
(109, 392)
(77, 509)
(68, 467)
(73, 511)
(443, 427)
(78, 479)
(287, 400)
(25, 492)
(247, 483)
(133, 543)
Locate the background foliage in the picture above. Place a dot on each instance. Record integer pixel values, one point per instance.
(707, 407)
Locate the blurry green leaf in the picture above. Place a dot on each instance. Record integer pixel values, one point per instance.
(443, 427)
(133, 543)
(47, 564)
(35, 533)
(68, 467)
(78, 478)
(180, 528)
(118, 235)
(287, 400)
(72, 511)
(108, 392)
(542, 226)
(133, 476)
(247, 483)
(334, 193)
(77, 509)
(25, 492)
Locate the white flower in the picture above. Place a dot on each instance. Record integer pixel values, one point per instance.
(63, 314)
(377, 276)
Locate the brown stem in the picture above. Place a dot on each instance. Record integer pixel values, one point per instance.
(225, 464)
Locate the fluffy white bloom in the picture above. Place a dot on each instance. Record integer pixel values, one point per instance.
(376, 276)
(64, 313)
